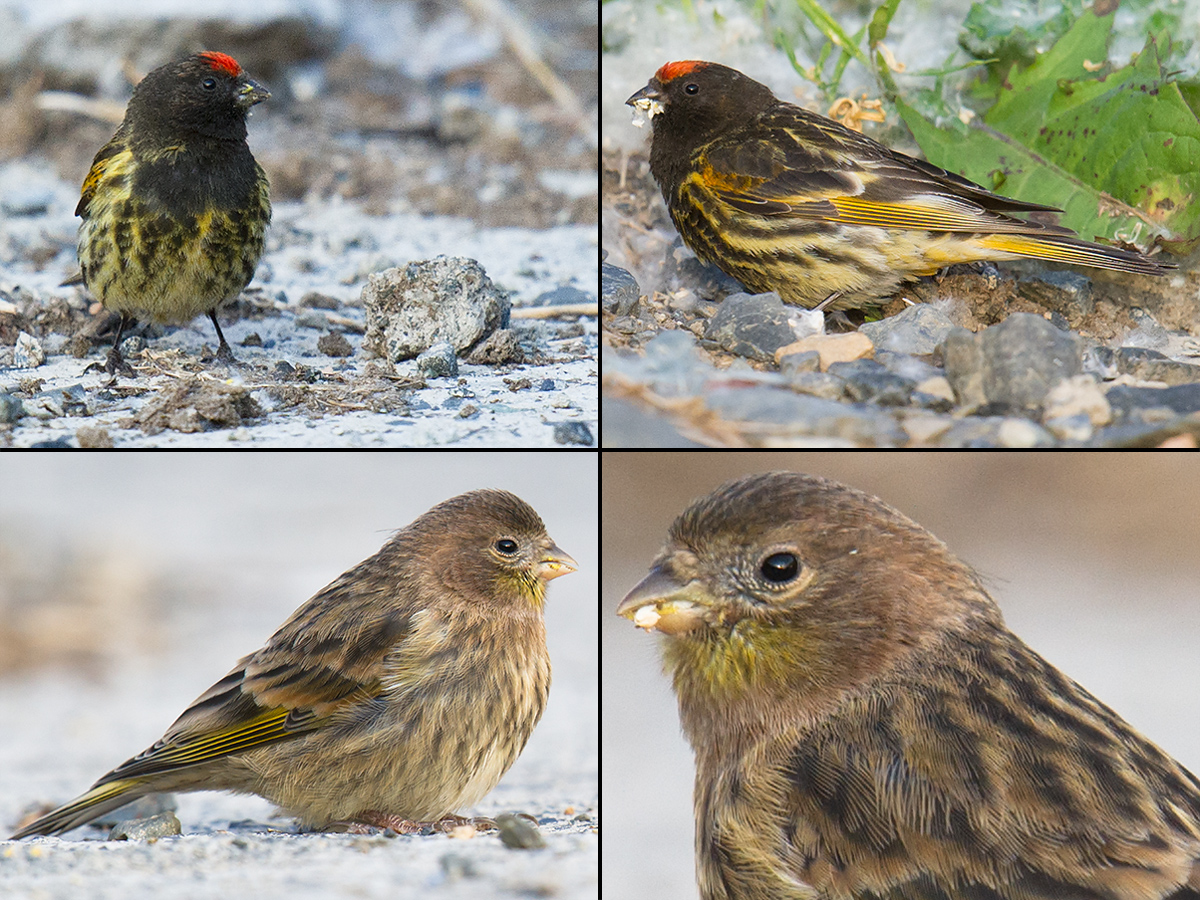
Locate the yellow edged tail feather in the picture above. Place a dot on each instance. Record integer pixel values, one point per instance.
(96, 802)
(1074, 251)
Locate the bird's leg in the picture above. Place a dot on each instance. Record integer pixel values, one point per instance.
(223, 352)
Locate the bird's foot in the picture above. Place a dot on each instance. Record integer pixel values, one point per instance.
(114, 365)
(225, 355)
(372, 818)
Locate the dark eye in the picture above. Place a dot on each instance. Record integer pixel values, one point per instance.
(208, 84)
(780, 568)
(691, 88)
(507, 546)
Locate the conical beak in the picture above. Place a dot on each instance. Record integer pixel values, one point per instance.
(555, 562)
(660, 601)
(642, 98)
(252, 92)
(647, 101)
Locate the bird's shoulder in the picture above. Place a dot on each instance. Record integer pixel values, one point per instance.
(111, 167)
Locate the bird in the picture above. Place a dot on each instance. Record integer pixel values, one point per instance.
(786, 200)
(396, 695)
(866, 727)
(175, 208)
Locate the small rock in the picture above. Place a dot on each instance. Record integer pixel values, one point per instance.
(1070, 428)
(1014, 364)
(563, 295)
(1150, 365)
(457, 865)
(498, 348)
(917, 330)
(93, 437)
(751, 325)
(26, 200)
(797, 362)
(817, 384)
(448, 298)
(573, 433)
(132, 346)
(334, 344)
(993, 431)
(311, 318)
(1153, 403)
(158, 826)
(28, 353)
(832, 348)
(618, 290)
(11, 409)
(518, 833)
(1071, 397)
(936, 386)
(438, 361)
(315, 300)
(1067, 293)
(866, 381)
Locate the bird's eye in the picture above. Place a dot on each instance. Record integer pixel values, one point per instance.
(780, 568)
(691, 88)
(507, 546)
(208, 84)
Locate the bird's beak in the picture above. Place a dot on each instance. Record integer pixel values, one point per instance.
(555, 562)
(252, 92)
(660, 602)
(648, 100)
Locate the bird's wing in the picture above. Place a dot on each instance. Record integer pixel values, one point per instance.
(1014, 784)
(114, 162)
(790, 163)
(317, 666)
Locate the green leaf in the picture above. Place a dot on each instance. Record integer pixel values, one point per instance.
(1116, 150)
(832, 30)
(1012, 32)
(878, 28)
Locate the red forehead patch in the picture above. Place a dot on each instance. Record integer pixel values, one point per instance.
(222, 63)
(674, 69)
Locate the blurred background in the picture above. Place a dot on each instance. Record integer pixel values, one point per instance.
(1092, 558)
(129, 585)
(471, 108)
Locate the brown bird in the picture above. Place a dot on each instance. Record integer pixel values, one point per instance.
(401, 692)
(865, 726)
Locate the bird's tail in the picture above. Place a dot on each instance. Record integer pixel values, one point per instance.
(96, 802)
(1075, 251)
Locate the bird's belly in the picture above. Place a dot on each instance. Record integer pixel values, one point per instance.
(166, 268)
